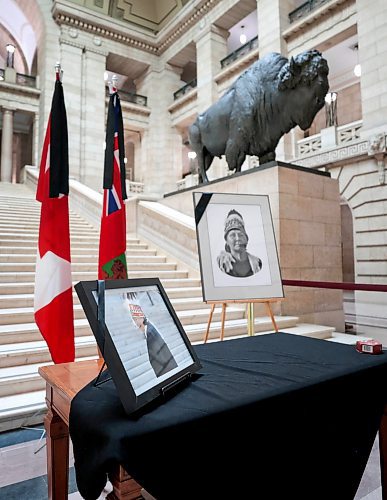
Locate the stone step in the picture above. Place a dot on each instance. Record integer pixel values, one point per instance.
(92, 237)
(24, 378)
(18, 247)
(17, 325)
(77, 267)
(316, 331)
(15, 277)
(19, 232)
(142, 257)
(24, 353)
(29, 287)
(28, 225)
(237, 327)
(182, 299)
(29, 332)
(19, 410)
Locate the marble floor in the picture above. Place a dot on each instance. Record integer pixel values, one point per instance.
(23, 468)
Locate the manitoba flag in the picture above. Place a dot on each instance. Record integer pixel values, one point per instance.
(53, 302)
(112, 243)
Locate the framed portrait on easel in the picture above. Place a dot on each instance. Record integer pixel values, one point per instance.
(237, 247)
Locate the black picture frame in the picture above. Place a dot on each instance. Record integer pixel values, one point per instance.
(216, 214)
(140, 376)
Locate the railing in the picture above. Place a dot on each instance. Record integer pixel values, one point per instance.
(304, 9)
(349, 132)
(365, 314)
(26, 80)
(345, 134)
(130, 97)
(2, 73)
(187, 88)
(240, 52)
(309, 145)
(135, 187)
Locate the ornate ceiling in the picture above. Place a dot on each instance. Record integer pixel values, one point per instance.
(150, 14)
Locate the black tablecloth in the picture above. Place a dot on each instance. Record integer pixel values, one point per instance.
(271, 417)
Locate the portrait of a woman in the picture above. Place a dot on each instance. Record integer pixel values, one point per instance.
(235, 260)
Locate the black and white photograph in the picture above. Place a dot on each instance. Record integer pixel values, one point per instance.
(144, 334)
(237, 248)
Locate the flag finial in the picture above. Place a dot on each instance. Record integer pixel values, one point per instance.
(113, 85)
(58, 71)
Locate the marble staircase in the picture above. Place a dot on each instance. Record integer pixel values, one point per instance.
(22, 349)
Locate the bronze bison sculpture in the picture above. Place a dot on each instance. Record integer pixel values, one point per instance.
(269, 99)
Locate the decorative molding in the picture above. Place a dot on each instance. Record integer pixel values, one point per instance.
(116, 35)
(378, 149)
(341, 154)
(63, 15)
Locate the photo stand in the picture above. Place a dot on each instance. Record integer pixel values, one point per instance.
(249, 311)
(238, 254)
(147, 352)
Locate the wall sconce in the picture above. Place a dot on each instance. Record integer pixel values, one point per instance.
(10, 54)
(242, 37)
(331, 109)
(192, 164)
(357, 70)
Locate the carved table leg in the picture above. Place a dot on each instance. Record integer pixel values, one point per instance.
(124, 486)
(57, 456)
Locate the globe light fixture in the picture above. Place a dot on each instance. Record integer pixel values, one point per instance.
(357, 70)
(10, 54)
(242, 37)
(331, 109)
(191, 155)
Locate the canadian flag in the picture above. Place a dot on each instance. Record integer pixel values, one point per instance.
(53, 301)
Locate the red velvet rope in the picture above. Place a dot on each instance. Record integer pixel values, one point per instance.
(367, 287)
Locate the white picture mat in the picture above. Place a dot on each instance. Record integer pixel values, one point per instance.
(259, 226)
(130, 342)
(216, 215)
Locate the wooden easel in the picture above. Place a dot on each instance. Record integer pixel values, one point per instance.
(250, 314)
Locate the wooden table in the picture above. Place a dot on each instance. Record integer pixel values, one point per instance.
(63, 382)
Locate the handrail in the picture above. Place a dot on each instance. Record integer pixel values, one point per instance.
(239, 52)
(367, 287)
(186, 88)
(304, 9)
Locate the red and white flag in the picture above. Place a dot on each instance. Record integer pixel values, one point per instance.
(53, 302)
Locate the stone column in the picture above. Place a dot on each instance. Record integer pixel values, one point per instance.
(371, 22)
(72, 65)
(6, 145)
(93, 106)
(211, 47)
(35, 141)
(157, 169)
(273, 19)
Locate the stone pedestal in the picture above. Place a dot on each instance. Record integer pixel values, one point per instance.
(305, 206)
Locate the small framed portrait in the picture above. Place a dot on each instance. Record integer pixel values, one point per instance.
(140, 337)
(237, 247)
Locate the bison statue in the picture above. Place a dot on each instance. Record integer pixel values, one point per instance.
(269, 99)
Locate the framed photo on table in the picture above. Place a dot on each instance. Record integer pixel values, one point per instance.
(237, 248)
(141, 339)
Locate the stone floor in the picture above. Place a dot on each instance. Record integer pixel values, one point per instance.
(23, 469)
